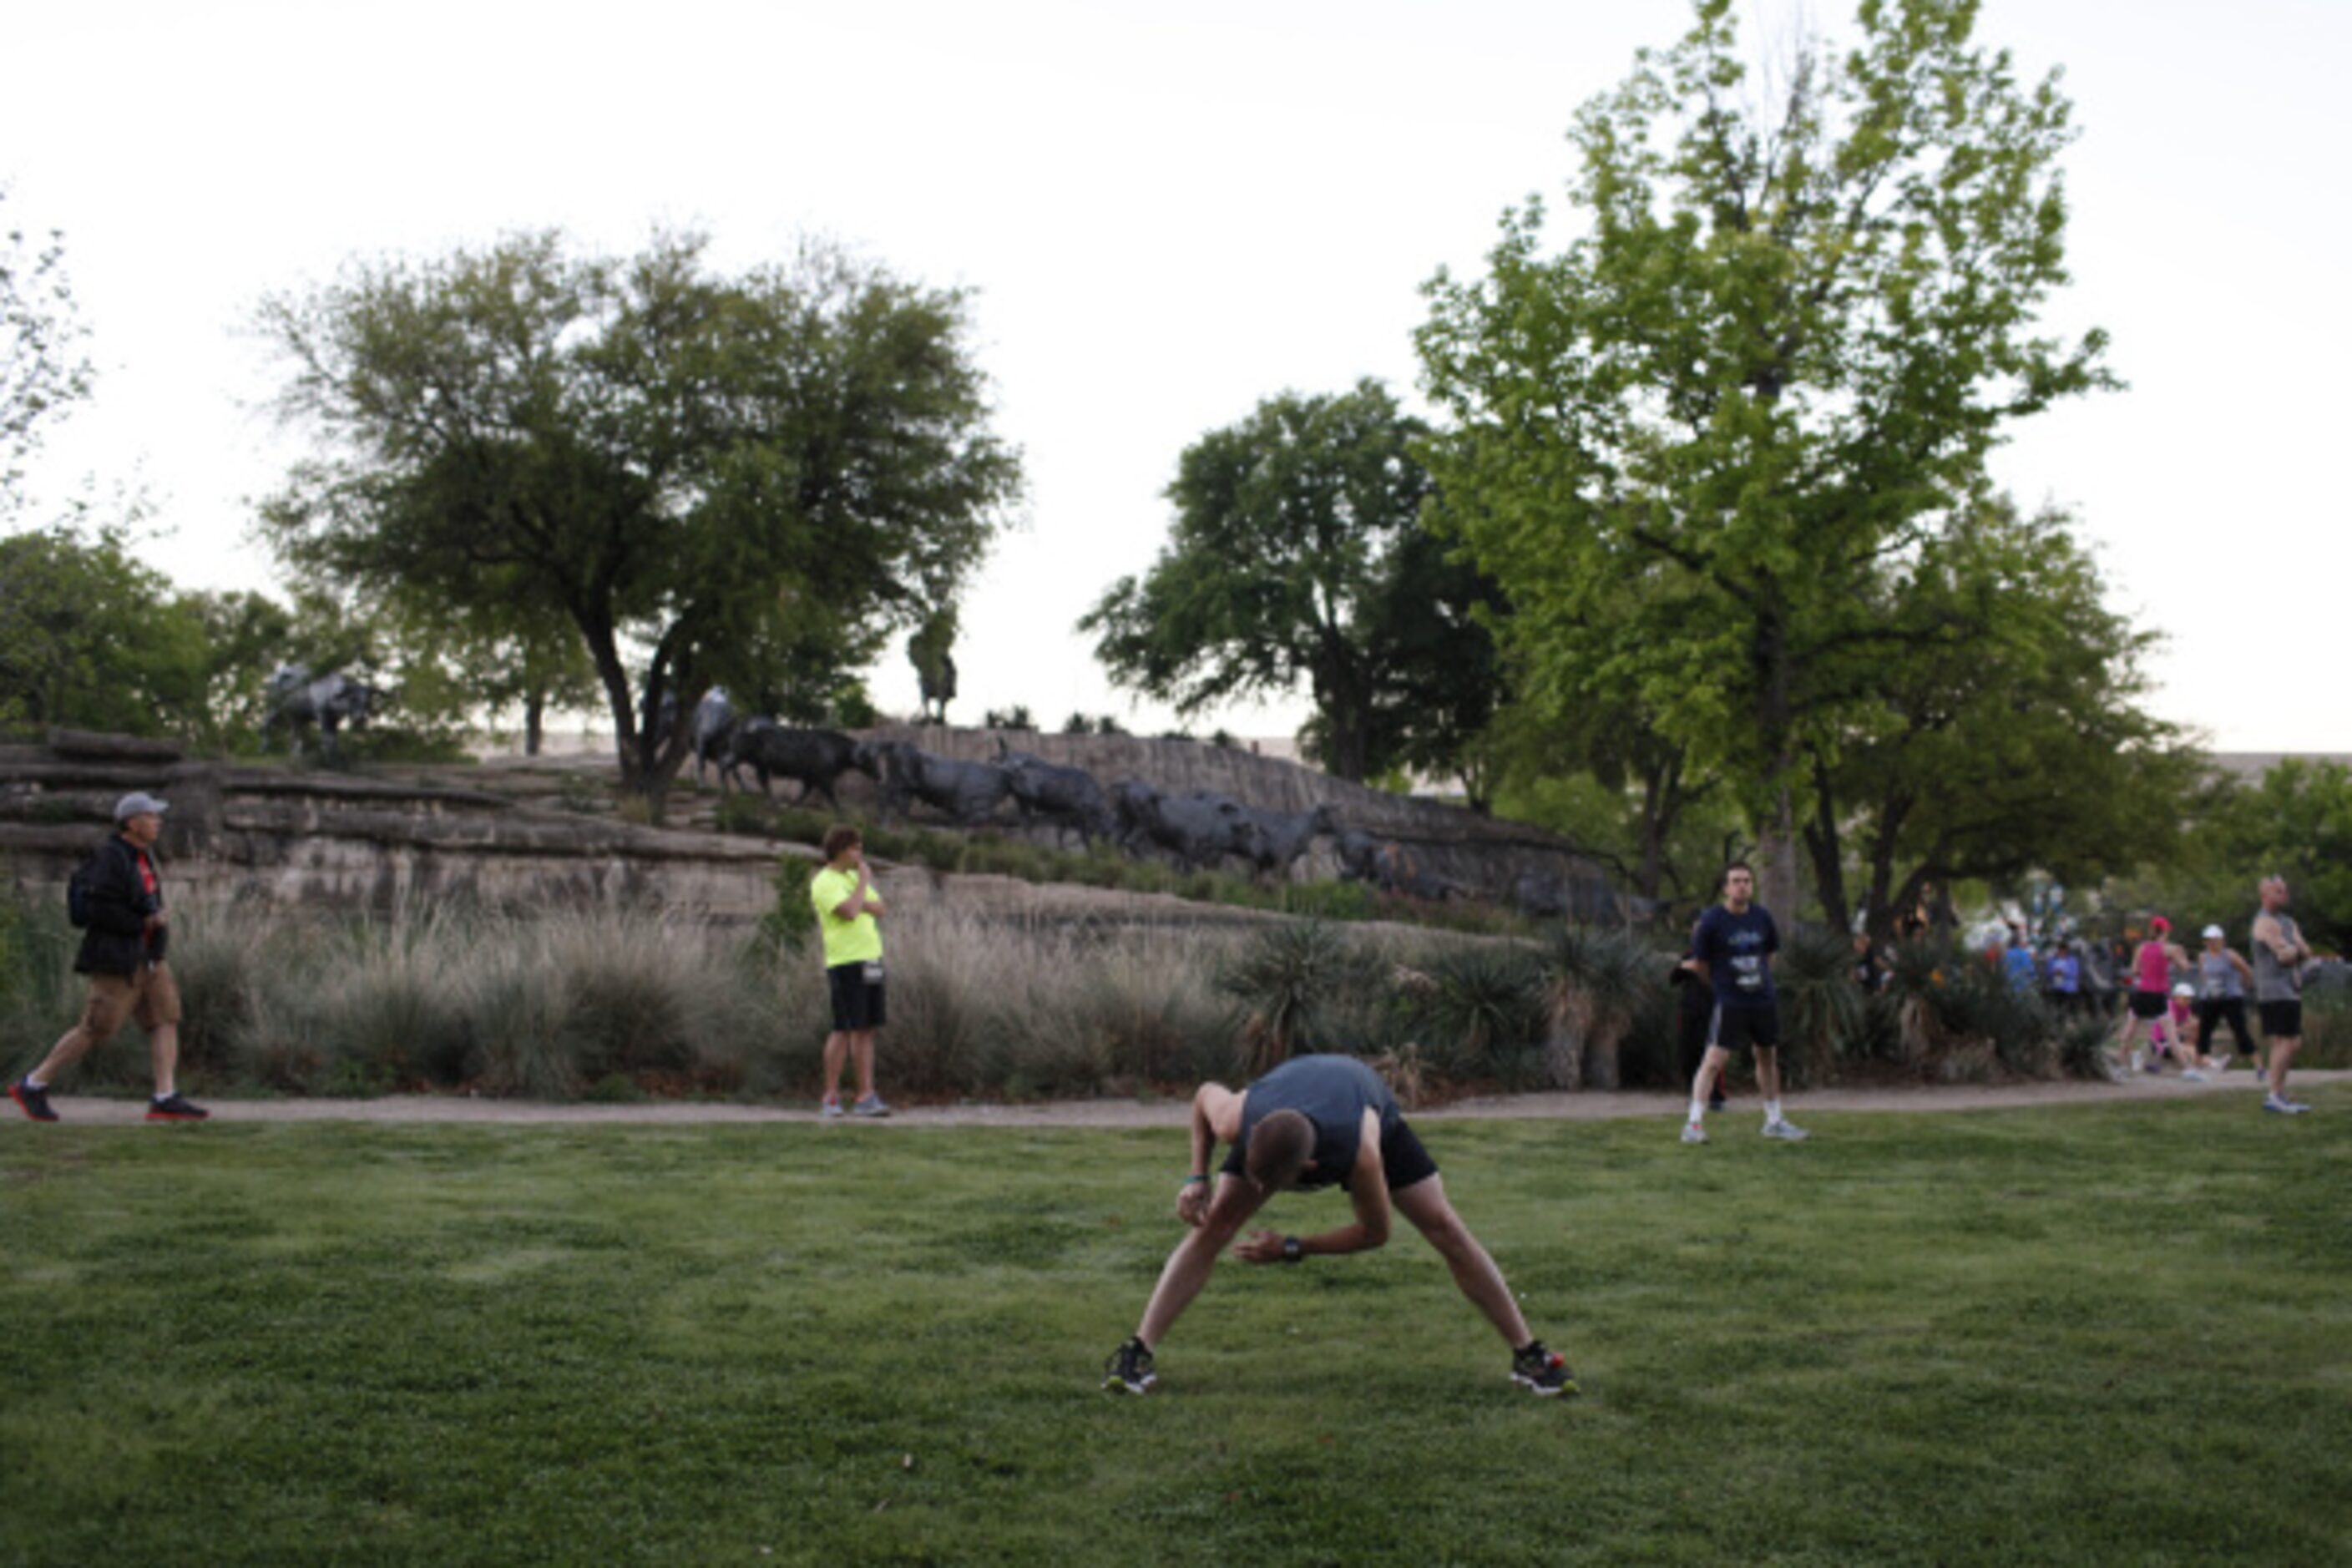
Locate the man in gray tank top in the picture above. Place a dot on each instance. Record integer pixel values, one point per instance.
(1318, 1121)
(2280, 954)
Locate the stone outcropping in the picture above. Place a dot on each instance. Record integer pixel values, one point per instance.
(541, 836)
(282, 836)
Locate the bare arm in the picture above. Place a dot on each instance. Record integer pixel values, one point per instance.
(2245, 970)
(1216, 1114)
(2273, 935)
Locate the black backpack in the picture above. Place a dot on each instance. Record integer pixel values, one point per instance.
(78, 890)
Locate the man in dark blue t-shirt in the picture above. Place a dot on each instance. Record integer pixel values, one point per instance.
(1735, 943)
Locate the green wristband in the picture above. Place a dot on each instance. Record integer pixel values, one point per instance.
(1190, 1180)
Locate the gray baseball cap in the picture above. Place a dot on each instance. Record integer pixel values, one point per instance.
(138, 803)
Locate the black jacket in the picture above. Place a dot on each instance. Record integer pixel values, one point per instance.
(117, 942)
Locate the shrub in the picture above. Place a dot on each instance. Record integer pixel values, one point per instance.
(1595, 984)
(1824, 1015)
(1293, 981)
(1486, 1007)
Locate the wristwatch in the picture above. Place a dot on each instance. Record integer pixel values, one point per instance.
(1291, 1251)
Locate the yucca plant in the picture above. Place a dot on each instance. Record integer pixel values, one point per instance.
(1825, 1015)
(1594, 983)
(1481, 1000)
(1292, 980)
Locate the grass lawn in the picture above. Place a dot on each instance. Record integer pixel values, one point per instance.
(2098, 1334)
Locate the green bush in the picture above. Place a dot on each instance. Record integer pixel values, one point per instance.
(1485, 1007)
(1298, 984)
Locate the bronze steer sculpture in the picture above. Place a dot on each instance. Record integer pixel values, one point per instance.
(298, 702)
(713, 735)
(1067, 797)
(969, 793)
(1280, 838)
(816, 759)
(1197, 829)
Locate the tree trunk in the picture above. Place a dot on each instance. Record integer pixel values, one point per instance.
(534, 719)
(1601, 1066)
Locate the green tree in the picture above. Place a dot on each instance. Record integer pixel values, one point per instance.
(91, 639)
(1779, 356)
(2003, 733)
(42, 370)
(2294, 822)
(1297, 554)
(696, 471)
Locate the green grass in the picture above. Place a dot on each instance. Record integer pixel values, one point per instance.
(2111, 1334)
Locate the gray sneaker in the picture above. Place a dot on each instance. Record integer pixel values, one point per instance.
(870, 1106)
(1786, 1132)
(1694, 1133)
(830, 1107)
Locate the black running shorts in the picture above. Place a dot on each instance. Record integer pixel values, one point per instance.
(2281, 1020)
(856, 1000)
(1737, 1029)
(2150, 1004)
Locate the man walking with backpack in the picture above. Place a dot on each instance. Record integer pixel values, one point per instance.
(117, 898)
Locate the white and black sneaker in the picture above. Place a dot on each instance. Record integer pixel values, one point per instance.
(1130, 1369)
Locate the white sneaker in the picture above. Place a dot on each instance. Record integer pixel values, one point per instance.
(2192, 1075)
(1786, 1132)
(1694, 1133)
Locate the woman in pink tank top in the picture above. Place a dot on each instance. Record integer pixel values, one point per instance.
(2151, 995)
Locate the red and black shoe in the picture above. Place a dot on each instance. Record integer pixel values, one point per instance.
(1541, 1372)
(174, 1108)
(33, 1102)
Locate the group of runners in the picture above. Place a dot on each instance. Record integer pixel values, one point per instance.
(1314, 1122)
(2164, 999)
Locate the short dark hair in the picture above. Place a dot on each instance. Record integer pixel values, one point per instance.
(1725, 879)
(838, 838)
(1279, 1148)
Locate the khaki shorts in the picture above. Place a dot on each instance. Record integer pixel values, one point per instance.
(148, 995)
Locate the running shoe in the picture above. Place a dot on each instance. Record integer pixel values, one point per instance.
(175, 1108)
(2282, 1107)
(870, 1106)
(1694, 1133)
(1786, 1132)
(33, 1102)
(1540, 1371)
(2192, 1075)
(1130, 1368)
(830, 1107)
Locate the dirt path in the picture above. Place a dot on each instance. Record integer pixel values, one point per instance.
(1128, 1114)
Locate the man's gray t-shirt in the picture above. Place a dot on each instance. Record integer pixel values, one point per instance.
(2273, 980)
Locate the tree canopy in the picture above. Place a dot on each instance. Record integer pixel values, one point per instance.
(1297, 554)
(747, 479)
(1802, 314)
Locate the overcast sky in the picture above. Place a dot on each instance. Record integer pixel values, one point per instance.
(1169, 213)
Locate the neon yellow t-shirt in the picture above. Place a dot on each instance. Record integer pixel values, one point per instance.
(858, 941)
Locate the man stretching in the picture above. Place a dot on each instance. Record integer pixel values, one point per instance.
(1318, 1121)
(1735, 944)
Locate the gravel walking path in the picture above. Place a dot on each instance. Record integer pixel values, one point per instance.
(1126, 1113)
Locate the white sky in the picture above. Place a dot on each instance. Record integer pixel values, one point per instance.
(1169, 213)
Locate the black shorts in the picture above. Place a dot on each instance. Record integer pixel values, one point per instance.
(2212, 1012)
(856, 1001)
(2150, 1004)
(1732, 1028)
(1404, 1161)
(2281, 1020)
